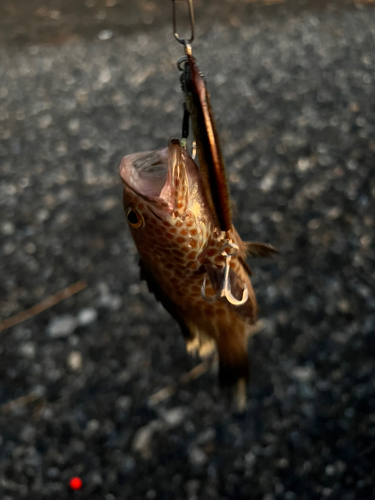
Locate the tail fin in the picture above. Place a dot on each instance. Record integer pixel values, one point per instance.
(234, 373)
(234, 368)
(233, 365)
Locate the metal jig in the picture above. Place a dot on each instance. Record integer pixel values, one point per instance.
(186, 65)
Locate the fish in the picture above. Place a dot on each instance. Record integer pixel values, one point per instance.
(182, 248)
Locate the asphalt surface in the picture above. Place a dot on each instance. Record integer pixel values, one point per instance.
(293, 92)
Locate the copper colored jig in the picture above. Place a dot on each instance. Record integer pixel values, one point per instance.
(197, 106)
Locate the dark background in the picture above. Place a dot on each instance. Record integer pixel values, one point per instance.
(82, 84)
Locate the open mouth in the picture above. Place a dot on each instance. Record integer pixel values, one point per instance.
(146, 173)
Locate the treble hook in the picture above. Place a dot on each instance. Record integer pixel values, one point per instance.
(225, 290)
(184, 41)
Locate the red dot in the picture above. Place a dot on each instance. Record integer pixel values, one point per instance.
(75, 483)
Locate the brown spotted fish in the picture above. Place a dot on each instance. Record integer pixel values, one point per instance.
(182, 248)
(191, 255)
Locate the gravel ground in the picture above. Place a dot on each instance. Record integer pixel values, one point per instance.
(293, 94)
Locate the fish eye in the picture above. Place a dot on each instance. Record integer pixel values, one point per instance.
(135, 219)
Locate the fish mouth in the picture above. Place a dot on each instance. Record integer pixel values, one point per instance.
(146, 173)
(162, 177)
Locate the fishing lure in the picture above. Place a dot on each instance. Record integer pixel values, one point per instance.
(191, 255)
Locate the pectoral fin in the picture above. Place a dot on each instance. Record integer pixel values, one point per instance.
(257, 249)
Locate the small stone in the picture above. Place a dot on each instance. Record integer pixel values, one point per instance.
(8, 248)
(55, 14)
(110, 301)
(134, 289)
(330, 470)
(313, 224)
(116, 302)
(73, 125)
(105, 76)
(250, 459)
(128, 464)
(124, 376)
(27, 349)
(267, 182)
(343, 306)
(124, 402)
(365, 241)
(95, 478)
(42, 215)
(7, 228)
(207, 436)
(197, 457)
(45, 121)
(75, 360)
(105, 35)
(87, 316)
(53, 472)
(303, 164)
(86, 144)
(277, 216)
(303, 373)
(92, 427)
(62, 326)
(175, 416)
(334, 213)
(28, 434)
(30, 248)
(143, 437)
(109, 203)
